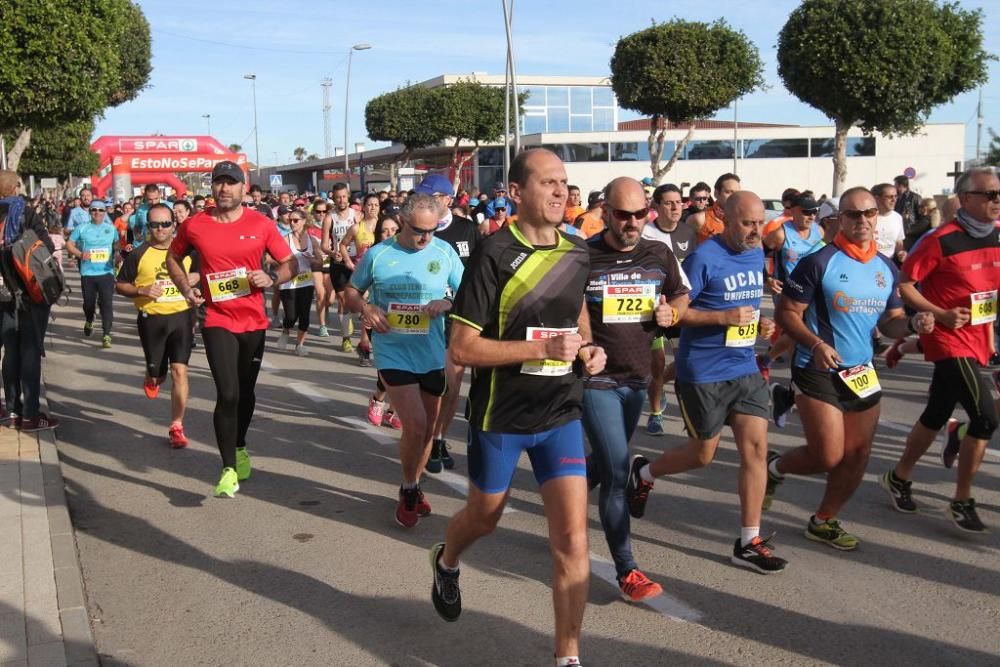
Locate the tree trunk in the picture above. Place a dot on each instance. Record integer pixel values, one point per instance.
(659, 173)
(458, 165)
(393, 176)
(14, 154)
(840, 156)
(654, 144)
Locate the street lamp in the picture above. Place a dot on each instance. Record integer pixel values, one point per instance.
(256, 142)
(208, 119)
(347, 97)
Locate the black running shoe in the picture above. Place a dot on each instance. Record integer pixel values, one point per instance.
(445, 593)
(782, 402)
(434, 464)
(963, 514)
(637, 489)
(446, 458)
(899, 492)
(757, 556)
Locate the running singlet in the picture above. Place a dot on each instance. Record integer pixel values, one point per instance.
(846, 298)
(461, 234)
(99, 241)
(303, 268)
(228, 252)
(955, 269)
(795, 248)
(338, 230)
(401, 281)
(363, 239)
(721, 279)
(622, 290)
(148, 266)
(516, 291)
(714, 224)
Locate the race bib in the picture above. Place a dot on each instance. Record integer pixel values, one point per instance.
(409, 318)
(628, 303)
(302, 279)
(984, 307)
(170, 292)
(862, 380)
(99, 255)
(744, 335)
(546, 366)
(228, 285)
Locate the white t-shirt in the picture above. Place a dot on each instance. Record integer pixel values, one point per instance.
(889, 232)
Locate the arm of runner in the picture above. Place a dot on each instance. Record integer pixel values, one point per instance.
(694, 317)
(372, 317)
(345, 244)
(325, 245)
(73, 250)
(469, 348)
(895, 323)
(593, 356)
(790, 318)
(953, 318)
(178, 274)
(286, 271)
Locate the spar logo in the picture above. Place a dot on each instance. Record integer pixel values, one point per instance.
(159, 145)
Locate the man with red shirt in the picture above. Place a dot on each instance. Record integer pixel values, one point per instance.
(958, 268)
(231, 241)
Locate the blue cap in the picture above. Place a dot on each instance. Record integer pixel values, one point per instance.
(99, 203)
(500, 202)
(435, 184)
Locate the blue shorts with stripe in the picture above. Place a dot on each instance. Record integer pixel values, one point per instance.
(557, 452)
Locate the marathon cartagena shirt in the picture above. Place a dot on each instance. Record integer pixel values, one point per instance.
(227, 253)
(511, 291)
(845, 300)
(623, 288)
(401, 281)
(954, 269)
(148, 266)
(721, 279)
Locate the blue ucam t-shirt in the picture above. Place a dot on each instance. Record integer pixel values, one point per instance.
(846, 298)
(721, 279)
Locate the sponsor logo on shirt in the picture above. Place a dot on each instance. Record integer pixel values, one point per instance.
(744, 279)
(463, 248)
(518, 260)
(847, 304)
(434, 266)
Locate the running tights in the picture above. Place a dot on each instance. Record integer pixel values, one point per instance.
(235, 363)
(297, 305)
(99, 290)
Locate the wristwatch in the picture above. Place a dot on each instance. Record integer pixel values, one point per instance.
(274, 276)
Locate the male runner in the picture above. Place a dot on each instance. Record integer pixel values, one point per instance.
(831, 302)
(717, 378)
(321, 279)
(96, 245)
(335, 226)
(712, 220)
(635, 286)
(409, 278)
(166, 319)
(231, 241)
(137, 221)
(80, 214)
(520, 321)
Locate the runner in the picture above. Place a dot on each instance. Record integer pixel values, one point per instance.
(96, 246)
(137, 221)
(361, 236)
(166, 319)
(635, 286)
(231, 241)
(321, 281)
(335, 227)
(712, 220)
(297, 294)
(957, 267)
(830, 304)
(717, 378)
(408, 278)
(520, 321)
(80, 214)
(378, 413)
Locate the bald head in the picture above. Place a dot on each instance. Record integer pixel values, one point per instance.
(744, 220)
(625, 212)
(623, 187)
(738, 204)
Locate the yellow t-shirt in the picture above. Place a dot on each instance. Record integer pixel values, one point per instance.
(148, 266)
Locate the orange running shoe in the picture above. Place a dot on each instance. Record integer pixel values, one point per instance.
(636, 587)
(152, 390)
(176, 436)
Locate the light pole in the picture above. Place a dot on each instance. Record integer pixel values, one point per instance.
(208, 119)
(256, 141)
(347, 98)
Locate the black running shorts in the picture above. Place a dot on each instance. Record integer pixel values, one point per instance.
(166, 339)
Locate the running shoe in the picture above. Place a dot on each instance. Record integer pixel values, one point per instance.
(323, 331)
(423, 507)
(40, 422)
(757, 556)
(765, 369)
(151, 388)
(637, 489)
(952, 444)
(434, 463)
(654, 426)
(243, 468)
(830, 532)
(88, 328)
(445, 593)
(283, 341)
(364, 355)
(13, 420)
(446, 458)
(346, 346)
(375, 411)
(899, 492)
(301, 351)
(893, 355)
(772, 481)
(782, 402)
(391, 420)
(228, 484)
(176, 436)
(636, 587)
(106, 342)
(963, 514)
(407, 515)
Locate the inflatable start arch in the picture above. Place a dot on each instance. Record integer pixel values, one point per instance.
(128, 161)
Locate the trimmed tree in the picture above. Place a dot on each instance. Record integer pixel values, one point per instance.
(407, 116)
(881, 65)
(682, 71)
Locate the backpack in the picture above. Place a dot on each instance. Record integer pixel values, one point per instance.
(29, 261)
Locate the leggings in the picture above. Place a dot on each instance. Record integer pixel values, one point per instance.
(235, 362)
(22, 334)
(297, 304)
(960, 380)
(609, 418)
(99, 290)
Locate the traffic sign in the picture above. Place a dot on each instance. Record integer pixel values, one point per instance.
(275, 180)
(910, 172)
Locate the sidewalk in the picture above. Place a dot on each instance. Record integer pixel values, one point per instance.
(43, 613)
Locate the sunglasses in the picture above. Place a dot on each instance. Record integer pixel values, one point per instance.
(421, 232)
(624, 216)
(810, 211)
(992, 195)
(699, 198)
(296, 220)
(855, 214)
(98, 210)
(321, 211)
(161, 225)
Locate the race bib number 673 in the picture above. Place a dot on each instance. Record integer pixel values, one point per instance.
(743, 335)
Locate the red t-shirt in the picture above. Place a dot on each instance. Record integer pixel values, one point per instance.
(950, 266)
(228, 251)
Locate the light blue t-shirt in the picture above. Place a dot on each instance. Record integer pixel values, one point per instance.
(77, 216)
(98, 239)
(400, 281)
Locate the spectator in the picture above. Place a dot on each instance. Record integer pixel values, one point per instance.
(908, 203)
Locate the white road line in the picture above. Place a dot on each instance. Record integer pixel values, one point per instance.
(666, 604)
(267, 365)
(308, 390)
(892, 426)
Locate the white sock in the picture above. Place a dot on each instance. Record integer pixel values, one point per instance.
(748, 533)
(567, 661)
(646, 475)
(445, 567)
(772, 468)
(409, 486)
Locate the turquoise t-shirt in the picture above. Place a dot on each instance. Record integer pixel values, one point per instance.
(99, 240)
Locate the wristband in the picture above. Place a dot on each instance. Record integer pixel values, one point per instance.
(815, 345)
(274, 276)
(675, 315)
(909, 325)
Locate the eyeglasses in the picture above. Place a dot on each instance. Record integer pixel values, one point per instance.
(992, 195)
(421, 232)
(296, 219)
(321, 211)
(623, 216)
(810, 211)
(161, 225)
(98, 210)
(855, 214)
(699, 198)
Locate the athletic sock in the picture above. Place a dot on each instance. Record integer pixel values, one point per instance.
(175, 423)
(819, 518)
(409, 486)
(567, 661)
(656, 413)
(772, 468)
(445, 568)
(646, 474)
(747, 533)
(344, 319)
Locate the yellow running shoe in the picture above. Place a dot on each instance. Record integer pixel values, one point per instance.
(227, 486)
(243, 468)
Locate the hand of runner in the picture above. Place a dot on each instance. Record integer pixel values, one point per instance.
(923, 323)
(153, 291)
(826, 358)
(373, 317)
(664, 313)
(563, 348)
(259, 279)
(741, 316)
(765, 328)
(85, 255)
(901, 256)
(437, 307)
(594, 358)
(194, 298)
(774, 285)
(956, 317)
(128, 247)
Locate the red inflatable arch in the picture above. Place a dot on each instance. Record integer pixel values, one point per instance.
(128, 161)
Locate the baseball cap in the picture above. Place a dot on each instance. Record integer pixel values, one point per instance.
(500, 187)
(805, 202)
(500, 202)
(594, 197)
(299, 202)
(828, 208)
(230, 169)
(435, 183)
(283, 209)
(99, 203)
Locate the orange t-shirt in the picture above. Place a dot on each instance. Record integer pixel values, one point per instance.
(572, 213)
(714, 224)
(774, 224)
(591, 223)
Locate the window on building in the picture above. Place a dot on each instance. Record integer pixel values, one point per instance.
(579, 100)
(593, 152)
(604, 119)
(709, 150)
(558, 96)
(581, 123)
(638, 151)
(856, 147)
(558, 119)
(603, 96)
(536, 96)
(490, 157)
(533, 123)
(783, 148)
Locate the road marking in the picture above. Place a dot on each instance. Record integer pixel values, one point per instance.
(308, 390)
(267, 365)
(892, 426)
(664, 603)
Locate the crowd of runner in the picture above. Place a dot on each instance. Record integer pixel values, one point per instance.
(565, 313)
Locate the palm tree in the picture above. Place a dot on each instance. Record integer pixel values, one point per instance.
(299, 153)
(235, 148)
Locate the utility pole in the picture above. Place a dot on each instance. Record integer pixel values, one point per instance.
(327, 83)
(979, 127)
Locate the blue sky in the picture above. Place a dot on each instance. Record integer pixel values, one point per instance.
(202, 50)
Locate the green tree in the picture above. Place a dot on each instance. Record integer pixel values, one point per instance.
(235, 148)
(682, 71)
(63, 61)
(406, 116)
(311, 157)
(299, 153)
(992, 156)
(881, 65)
(59, 151)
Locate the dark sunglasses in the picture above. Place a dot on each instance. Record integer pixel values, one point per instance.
(98, 210)
(319, 210)
(699, 198)
(161, 225)
(296, 220)
(992, 195)
(421, 232)
(624, 216)
(810, 211)
(855, 214)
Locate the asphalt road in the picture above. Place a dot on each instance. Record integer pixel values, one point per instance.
(307, 567)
